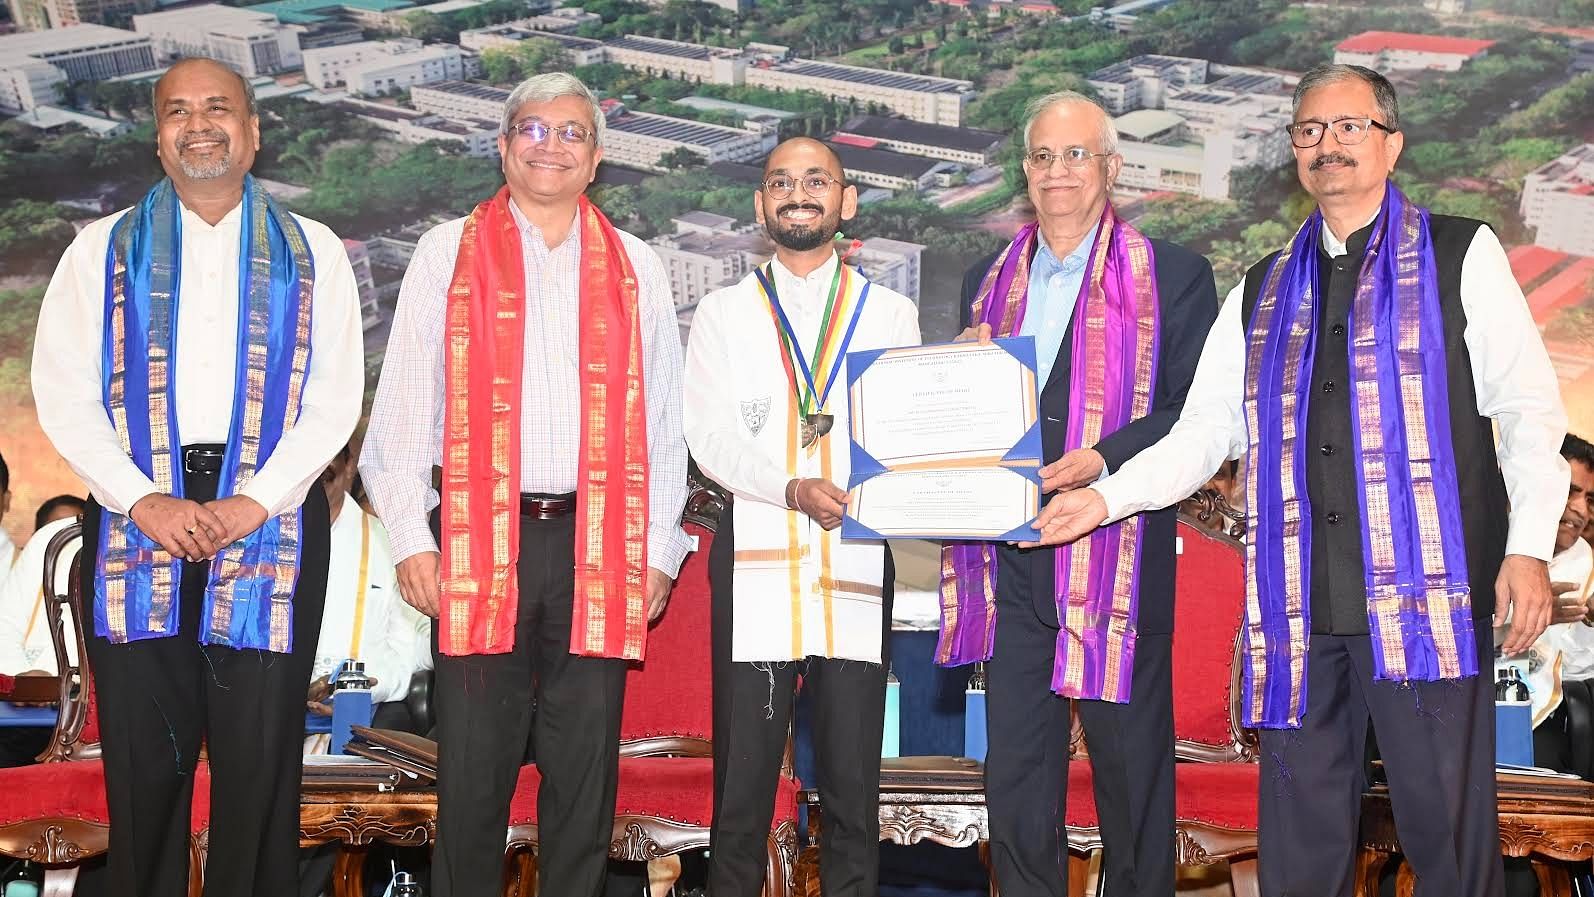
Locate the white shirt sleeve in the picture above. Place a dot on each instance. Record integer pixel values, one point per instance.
(1210, 431)
(403, 440)
(668, 544)
(334, 387)
(713, 430)
(392, 649)
(67, 378)
(1517, 388)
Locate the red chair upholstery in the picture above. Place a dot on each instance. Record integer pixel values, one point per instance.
(56, 812)
(1216, 781)
(665, 799)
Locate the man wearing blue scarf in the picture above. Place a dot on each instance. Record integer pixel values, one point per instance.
(198, 363)
(1362, 372)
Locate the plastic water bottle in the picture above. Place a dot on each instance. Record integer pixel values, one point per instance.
(890, 741)
(974, 716)
(403, 885)
(351, 702)
(1513, 720)
(22, 885)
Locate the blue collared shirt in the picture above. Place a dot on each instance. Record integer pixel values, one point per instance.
(1054, 286)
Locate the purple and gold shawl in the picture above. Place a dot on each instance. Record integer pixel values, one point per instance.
(1113, 366)
(248, 598)
(1418, 600)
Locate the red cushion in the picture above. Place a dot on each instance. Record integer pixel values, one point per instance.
(680, 789)
(1209, 596)
(668, 693)
(1221, 794)
(75, 789)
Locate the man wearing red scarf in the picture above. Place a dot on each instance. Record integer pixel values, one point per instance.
(534, 358)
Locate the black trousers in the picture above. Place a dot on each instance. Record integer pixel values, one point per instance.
(752, 716)
(158, 698)
(1437, 743)
(1026, 763)
(484, 706)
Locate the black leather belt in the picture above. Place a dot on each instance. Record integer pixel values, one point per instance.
(547, 507)
(206, 458)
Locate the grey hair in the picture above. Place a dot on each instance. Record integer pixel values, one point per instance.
(551, 86)
(1330, 73)
(1040, 105)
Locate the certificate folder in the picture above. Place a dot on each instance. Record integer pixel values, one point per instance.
(945, 442)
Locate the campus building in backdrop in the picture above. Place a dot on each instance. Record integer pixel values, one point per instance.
(580, 50)
(38, 15)
(1402, 51)
(1558, 201)
(36, 65)
(925, 98)
(377, 67)
(251, 43)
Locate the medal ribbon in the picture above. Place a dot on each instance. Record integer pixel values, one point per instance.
(827, 351)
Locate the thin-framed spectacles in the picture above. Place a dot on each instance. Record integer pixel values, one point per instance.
(569, 132)
(1348, 131)
(1072, 157)
(781, 186)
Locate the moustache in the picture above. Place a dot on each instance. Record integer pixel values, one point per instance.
(800, 207)
(188, 140)
(1331, 158)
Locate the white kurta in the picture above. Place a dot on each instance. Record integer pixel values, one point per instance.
(8, 555)
(365, 618)
(24, 624)
(798, 590)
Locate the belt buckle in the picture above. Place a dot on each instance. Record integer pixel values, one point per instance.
(187, 462)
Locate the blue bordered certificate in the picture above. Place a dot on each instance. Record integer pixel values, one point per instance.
(945, 442)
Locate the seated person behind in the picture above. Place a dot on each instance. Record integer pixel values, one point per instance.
(25, 645)
(365, 619)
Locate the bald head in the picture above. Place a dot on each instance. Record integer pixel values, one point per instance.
(182, 68)
(804, 151)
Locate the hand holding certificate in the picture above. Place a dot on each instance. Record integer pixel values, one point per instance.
(945, 442)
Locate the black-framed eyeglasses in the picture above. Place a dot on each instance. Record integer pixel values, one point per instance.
(538, 130)
(1349, 130)
(1071, 157)
(781, 186)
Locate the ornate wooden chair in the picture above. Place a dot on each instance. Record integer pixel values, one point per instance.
(1216, 778)
(57, 816)
(666, 792)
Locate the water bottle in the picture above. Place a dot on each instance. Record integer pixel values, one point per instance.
(974, 715)
(890, 741)
(22, 885)
(403, 885)
(1513, 719)
(351, 702)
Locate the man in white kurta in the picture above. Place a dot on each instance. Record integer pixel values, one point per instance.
(365, 619)
(790, 596)
(25, 645)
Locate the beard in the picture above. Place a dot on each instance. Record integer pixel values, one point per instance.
(205, 170)
(803, 237)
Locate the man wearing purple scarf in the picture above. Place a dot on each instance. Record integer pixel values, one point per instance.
(1118, 321)
(1362, 372)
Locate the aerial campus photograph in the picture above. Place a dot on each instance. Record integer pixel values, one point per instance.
(381, 119)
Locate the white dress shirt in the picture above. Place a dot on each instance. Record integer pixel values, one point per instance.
(1511, 374)
(738, 424)
(25, 642)
(67, 378)
(405, 438)
(362, 586)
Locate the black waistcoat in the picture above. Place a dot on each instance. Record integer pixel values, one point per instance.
(1339, 590)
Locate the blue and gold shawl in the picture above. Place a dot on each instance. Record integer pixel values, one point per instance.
(1419, 603)
(248, 597)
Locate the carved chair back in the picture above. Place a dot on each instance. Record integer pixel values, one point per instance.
(77, 729)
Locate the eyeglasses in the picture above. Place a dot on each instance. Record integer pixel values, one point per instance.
(1348, 131)
(1072, 157)
(816, 185)
(539, 130)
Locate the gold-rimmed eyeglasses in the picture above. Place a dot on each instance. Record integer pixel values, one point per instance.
(1071, 157)
(781, 186)
(538, 130)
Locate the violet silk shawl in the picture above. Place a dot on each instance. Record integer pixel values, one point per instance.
(1112, 371)
(1418, 601)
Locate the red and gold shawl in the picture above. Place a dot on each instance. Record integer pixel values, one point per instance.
(484, 346)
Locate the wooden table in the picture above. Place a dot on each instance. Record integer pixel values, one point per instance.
(1548, 820)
